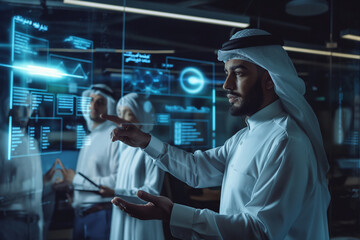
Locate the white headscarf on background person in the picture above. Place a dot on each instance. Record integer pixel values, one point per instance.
(288, 87)
(98, 89)
(141, 108)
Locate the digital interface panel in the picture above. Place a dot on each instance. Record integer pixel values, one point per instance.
(40, 100)
(182, 91)
(43, 135)
(78, 70)
(146, 80)
(46, 87)
(65, 104)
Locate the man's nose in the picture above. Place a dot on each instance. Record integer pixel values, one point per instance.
(229, 83)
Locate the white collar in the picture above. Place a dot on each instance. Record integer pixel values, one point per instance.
(265, 114)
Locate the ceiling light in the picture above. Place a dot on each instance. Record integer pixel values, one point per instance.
(350, 34)
(153, 12)
(322, 52)
(306, 7)
(108, 50)
(351, 37)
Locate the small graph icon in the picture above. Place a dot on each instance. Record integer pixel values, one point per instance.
(77, 70)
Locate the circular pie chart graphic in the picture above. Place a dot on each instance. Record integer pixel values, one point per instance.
(192, 80)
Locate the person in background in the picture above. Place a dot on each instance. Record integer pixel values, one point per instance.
(97, 162)
(272, 172)
(21, 180)
(136, 172)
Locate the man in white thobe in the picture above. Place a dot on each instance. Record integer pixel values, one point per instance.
(97, 161)
(272, 172)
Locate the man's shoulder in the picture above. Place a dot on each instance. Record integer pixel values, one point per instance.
(288, 129)
(239, 133)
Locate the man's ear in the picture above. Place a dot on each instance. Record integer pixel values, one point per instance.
(269, 84)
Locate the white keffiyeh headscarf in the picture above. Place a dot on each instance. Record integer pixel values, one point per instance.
(142, 109)
(288, 87)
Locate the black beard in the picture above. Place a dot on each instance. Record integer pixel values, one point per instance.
(251, 103)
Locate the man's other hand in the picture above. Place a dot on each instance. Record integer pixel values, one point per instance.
(127, 132)
(158, 207)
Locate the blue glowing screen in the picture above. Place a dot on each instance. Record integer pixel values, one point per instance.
(182, 91)
(45, 89)
(47, 78)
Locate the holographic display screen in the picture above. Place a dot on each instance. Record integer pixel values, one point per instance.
(182, 92)
(47, 78)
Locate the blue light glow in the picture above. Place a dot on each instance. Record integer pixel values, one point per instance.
(9, 143)
(192, 80)
(214, 110)
(43, 71)
(214, 121)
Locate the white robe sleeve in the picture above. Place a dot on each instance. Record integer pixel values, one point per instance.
(276, 201)
(154, 177)
(199, 169)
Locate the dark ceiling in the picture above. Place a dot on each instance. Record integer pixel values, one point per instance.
(266, 14)
(197, 40)
(106, 26)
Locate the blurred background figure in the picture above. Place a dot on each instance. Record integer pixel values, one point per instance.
(136, 172)
(97, 166)
(21, 179)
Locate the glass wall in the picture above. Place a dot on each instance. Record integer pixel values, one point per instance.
(50, 55)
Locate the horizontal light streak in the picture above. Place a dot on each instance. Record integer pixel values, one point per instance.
(157, 13)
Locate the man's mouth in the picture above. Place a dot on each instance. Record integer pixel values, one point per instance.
(232, 98)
